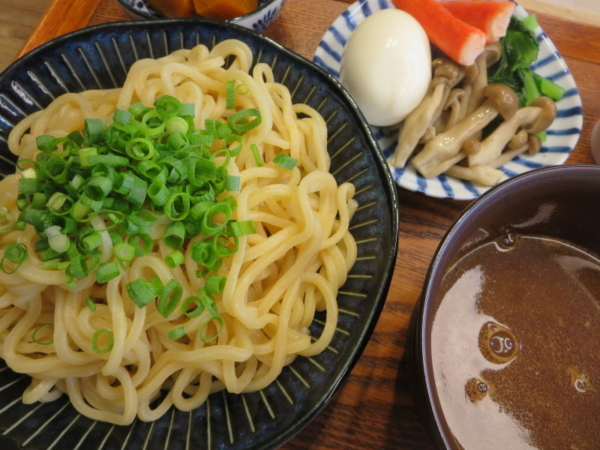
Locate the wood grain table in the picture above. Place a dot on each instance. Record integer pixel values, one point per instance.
(374, 408)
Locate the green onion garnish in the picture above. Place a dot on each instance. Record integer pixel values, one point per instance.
(230, 94)
(176, 333)
(215, 284)
(221, 324)
(174, 259)
(16, 254)
(141, 292)
(148, 163)
(256, 153)
(242, 228)
(285, 161)
(96, 336)
(90, 304)
(169, 298)
(37, 330)
(107, 271)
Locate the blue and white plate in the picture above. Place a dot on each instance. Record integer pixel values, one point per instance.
(562, 135)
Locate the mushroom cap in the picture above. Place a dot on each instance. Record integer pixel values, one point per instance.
(535, 145)
(471, 146)
(445, 68)
(518, 140)
(546, 117)
(507, 102)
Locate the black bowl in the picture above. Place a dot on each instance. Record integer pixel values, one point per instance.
(559, 201)
(98, 57)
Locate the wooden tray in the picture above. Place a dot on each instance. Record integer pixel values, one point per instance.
(374, 408)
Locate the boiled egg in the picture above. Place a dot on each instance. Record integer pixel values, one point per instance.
(386, 66)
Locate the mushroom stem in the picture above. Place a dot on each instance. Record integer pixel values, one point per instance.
(485, 175)
(507, 156)
(448, 144)
(442, 167)
(493, 145)
(447, 74)
(502, 100)
(490, 55)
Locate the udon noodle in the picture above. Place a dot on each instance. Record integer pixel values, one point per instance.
(281, 276)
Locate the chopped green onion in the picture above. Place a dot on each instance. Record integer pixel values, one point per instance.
(15, 253)
(175, 235)
(37, 330)
(218, 320)
(209, 226)
(215, 284)
(233, 183)
(167, 106)
(134, 241)
(244, 120)
(91, 241)
(90, 304)
(176, 333)
(141, 292)
(256, 153)
(230, 94)
(187, 303)
(57, 241)
(107, 271)
(96, 336)
(174, 259)
(285, 161)
(242, 228)
(140, 149)
(93, 129)
(169, 298)
(187, 109)
(176, 125)
(121, 116)
(177, 206)
(123, 251)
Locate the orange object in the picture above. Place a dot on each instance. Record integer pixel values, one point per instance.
(174, 8)
(491, 17)
(224, 9)
(458, 40)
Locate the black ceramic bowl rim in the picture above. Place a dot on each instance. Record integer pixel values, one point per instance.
(381, 168)
(422, 343)
(235, 19)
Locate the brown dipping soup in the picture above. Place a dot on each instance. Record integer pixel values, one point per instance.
(516, 346)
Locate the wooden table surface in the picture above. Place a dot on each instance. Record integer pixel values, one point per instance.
(374, 408)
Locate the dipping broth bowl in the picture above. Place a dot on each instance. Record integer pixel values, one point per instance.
(463, 352)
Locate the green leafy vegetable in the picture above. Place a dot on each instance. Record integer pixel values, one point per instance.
(520, 50)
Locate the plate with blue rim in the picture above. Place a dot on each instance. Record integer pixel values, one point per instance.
(562, 136)
(98, 58)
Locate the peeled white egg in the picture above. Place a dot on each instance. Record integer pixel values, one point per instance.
(386, 66)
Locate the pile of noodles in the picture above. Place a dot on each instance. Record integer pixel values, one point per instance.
(280, 277)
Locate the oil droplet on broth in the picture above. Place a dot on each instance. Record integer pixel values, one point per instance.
(498, 344)
(508, 241)
(579, 380)
(476, 389)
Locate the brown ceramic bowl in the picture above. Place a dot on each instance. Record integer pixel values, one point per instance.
(560, 202)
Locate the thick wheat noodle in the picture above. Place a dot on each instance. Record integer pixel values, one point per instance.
(280, 277)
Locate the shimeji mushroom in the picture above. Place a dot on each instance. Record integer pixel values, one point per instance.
(447, 74)
(477, 73)
(533, 119)
(500, 99)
